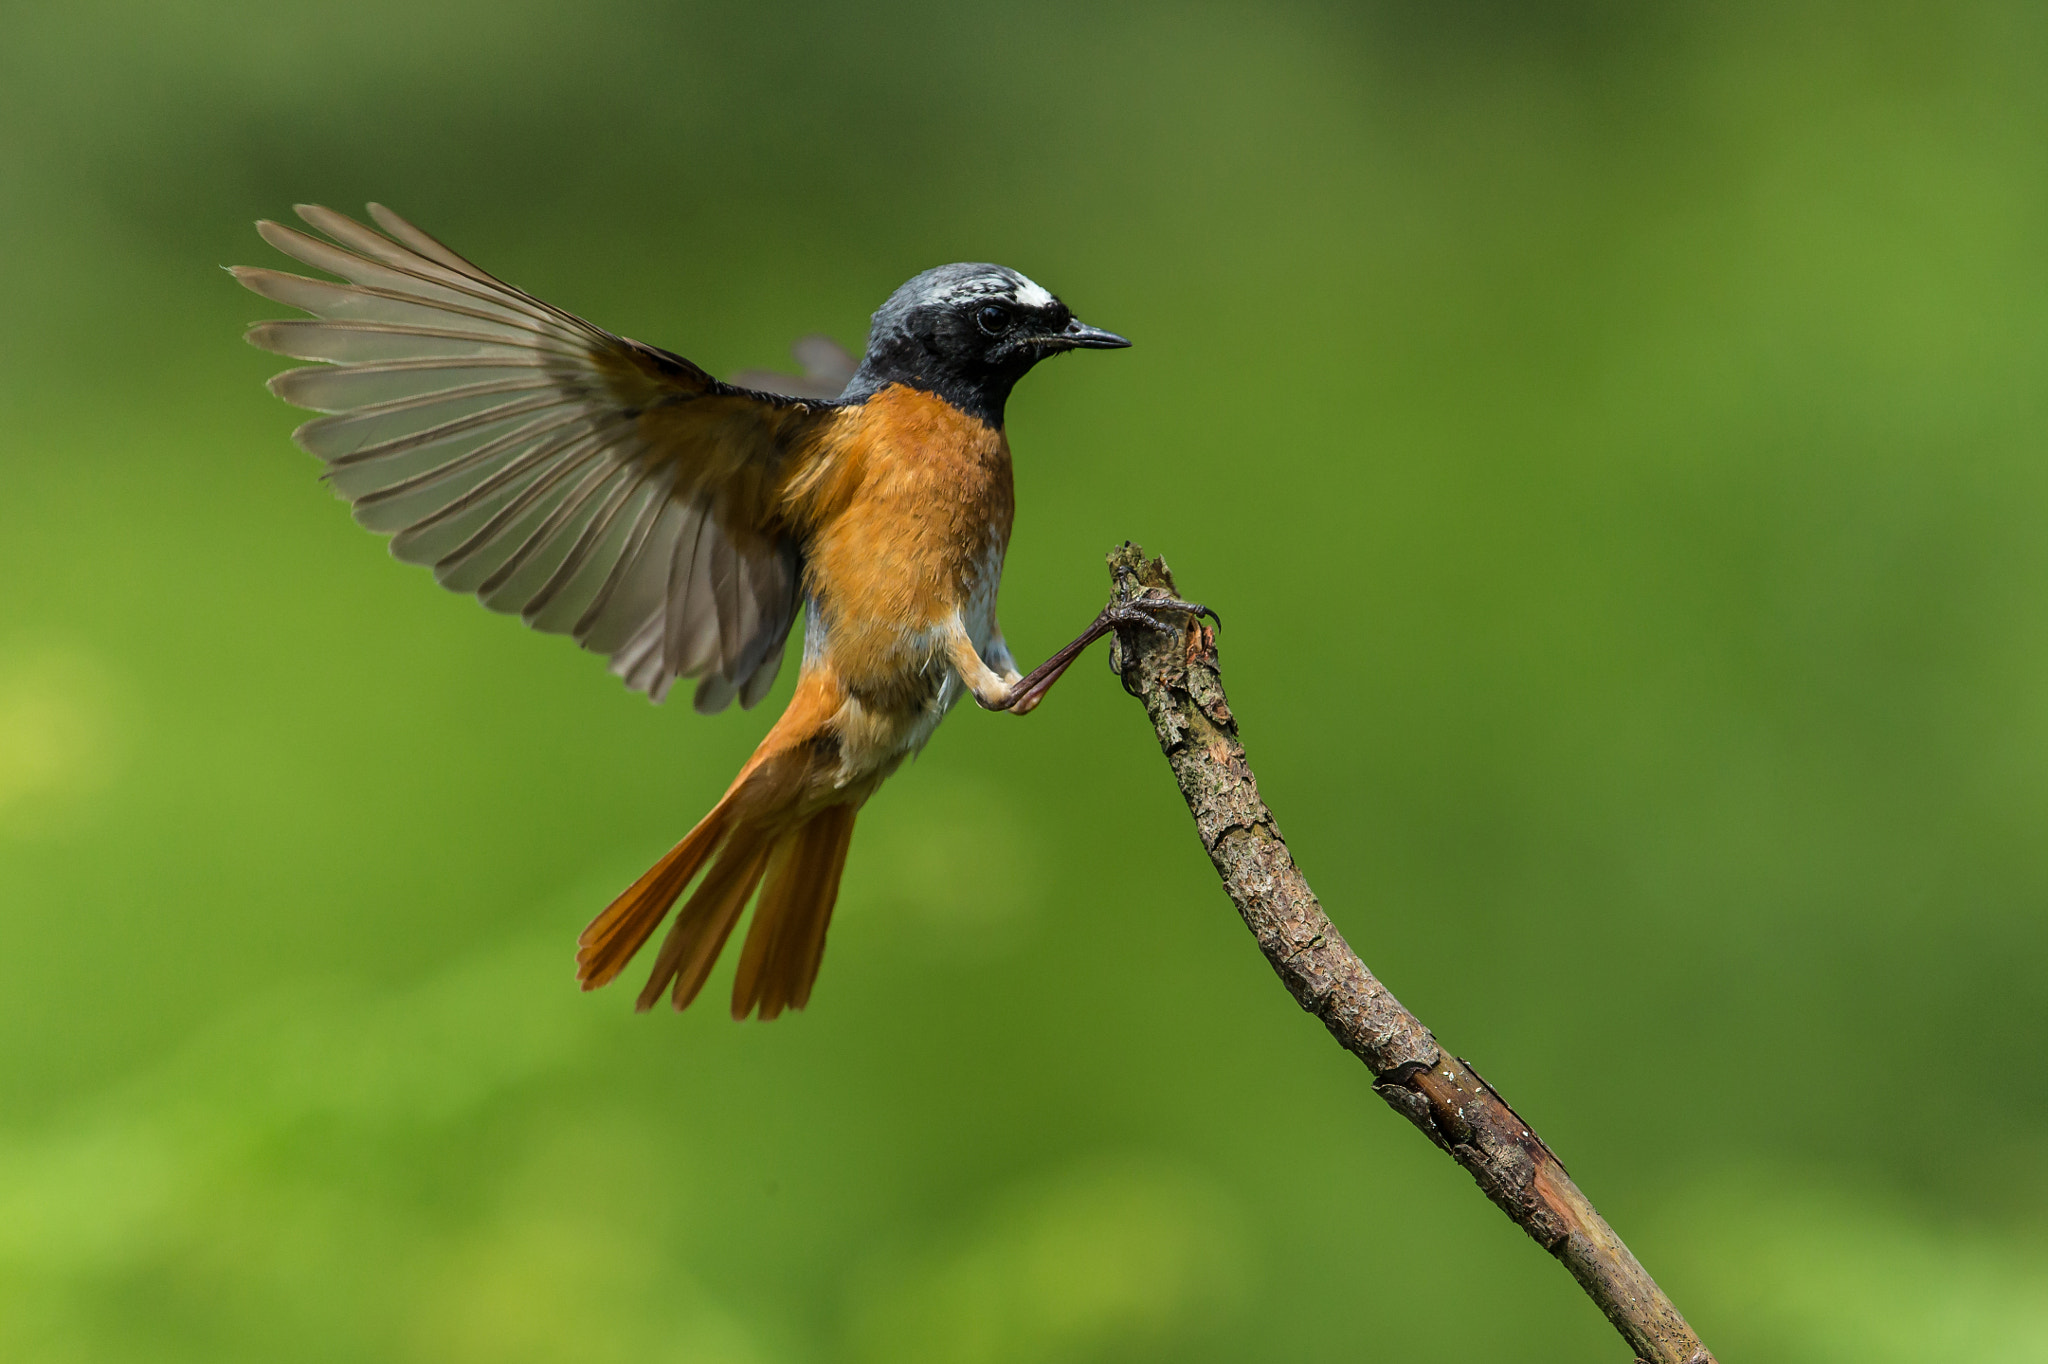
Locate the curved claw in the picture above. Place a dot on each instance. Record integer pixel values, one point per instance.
(1027, 691)
(1141, 608)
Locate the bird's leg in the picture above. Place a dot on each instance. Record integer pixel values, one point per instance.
(1025, 694)
(991, 690)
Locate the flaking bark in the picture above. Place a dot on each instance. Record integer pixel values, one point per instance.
(1176, 676)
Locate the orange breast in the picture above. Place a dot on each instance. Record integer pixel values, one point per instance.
(910, 501)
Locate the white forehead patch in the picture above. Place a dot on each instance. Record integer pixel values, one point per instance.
(1029, 295)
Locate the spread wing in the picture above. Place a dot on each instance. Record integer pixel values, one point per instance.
(599, 487)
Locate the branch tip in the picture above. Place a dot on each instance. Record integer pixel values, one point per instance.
(1181, 687)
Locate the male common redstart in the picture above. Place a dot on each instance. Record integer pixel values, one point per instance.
(615, 492)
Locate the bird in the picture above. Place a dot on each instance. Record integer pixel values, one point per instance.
(616, 492)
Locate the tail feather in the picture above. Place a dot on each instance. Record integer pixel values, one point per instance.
(804, 973)
(772, 914)
(698, 935)
(765, 827)
(786, 941)
(629, 921)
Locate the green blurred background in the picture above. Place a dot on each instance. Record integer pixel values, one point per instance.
(1613, 433)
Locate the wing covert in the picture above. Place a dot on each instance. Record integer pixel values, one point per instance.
(596, 486)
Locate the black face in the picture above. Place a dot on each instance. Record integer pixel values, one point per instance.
(968, 333)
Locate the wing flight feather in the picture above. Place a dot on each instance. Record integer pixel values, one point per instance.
(595, 486)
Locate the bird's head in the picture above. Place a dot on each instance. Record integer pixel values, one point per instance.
(968, 333)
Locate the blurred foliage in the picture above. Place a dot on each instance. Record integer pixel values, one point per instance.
(1613, 433)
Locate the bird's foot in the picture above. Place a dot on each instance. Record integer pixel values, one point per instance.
(1154, 611)
(1164, 614)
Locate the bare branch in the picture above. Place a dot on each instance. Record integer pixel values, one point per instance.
(1175, 674)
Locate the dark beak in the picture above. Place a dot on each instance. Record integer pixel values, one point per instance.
(1080, 336)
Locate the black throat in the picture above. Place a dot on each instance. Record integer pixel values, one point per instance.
(975, 388)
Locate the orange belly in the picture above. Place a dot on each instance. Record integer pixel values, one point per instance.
(912, 503)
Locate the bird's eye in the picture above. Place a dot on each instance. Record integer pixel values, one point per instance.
(995, 321)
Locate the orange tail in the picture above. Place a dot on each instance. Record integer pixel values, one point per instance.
(786, 941)
(626, 924)
(755, 831)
